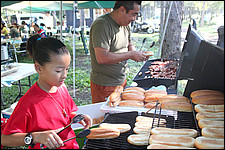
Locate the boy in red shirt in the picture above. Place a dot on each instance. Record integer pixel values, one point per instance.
(38, 30)
(47, 106)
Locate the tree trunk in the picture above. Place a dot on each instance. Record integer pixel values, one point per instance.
(162, 16)
(202, 14)
(171, 47)
(82, 19)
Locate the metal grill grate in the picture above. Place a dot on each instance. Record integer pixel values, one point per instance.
(177, 120)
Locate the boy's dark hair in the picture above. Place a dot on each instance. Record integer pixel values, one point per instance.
(42, 49)
(36, 25)
(129, 5)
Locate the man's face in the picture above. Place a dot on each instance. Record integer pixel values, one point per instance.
(127, 18)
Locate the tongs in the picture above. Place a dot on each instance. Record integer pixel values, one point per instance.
(75, 119)
(81, 134)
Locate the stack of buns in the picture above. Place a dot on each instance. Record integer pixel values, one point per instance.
(210, 116)
(139, 97)
(133, 97)
(143, 124)
(142, 129)
(115, 98)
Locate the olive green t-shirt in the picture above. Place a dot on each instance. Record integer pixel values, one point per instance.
(106, 33)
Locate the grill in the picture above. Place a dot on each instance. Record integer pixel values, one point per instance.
(147, 79)
(175, 120)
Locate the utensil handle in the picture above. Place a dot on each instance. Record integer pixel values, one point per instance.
(64, 128)
(69, 139)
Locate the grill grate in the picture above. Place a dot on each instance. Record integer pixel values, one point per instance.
(177, 120)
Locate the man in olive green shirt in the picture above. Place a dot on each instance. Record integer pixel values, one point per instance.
(110, 48)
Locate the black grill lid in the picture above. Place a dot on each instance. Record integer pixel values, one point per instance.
(208, 69)
(189, 52)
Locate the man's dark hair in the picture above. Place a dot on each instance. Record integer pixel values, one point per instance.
(129, 5)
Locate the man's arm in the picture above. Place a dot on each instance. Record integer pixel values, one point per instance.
(103, 56)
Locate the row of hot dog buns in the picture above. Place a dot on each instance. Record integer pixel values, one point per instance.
(139, 97)
(167, 138)
(160, 137)
(210, 116)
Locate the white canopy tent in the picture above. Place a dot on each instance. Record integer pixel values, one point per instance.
(41, 6)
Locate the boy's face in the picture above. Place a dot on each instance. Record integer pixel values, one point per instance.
(54, 73)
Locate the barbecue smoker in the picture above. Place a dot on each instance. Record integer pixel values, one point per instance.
(203, 68)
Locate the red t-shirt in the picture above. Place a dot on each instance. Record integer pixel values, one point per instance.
(37, 111)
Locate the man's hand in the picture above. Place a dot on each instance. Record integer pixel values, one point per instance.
(139, 56)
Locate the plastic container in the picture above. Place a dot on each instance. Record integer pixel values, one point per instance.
(107, 109)
(93, 110)
(6, 113)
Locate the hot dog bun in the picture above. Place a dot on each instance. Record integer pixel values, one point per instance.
(143, 124)
(122, 127)
(130, 95)
(115, 103)
(135, 88)
(210, 123)
(178, 132)
(103, 133)
(151, 105)
(149, 119)
(131, 103)
(210, 116)
(149, 53)
(173, 98)
(142, 129)
(208, 99)
(205, 92)
(213, 132)
(209, 108)
(118, 89)
(172, 140)
(153, 97)
(177, 106)
(209, 143)
(153, 91)
(114, 99)
(162, 146)
(138, 139)
(114, 96)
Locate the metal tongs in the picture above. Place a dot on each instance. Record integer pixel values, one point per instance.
(81, 134)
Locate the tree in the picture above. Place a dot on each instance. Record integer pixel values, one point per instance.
(172, 41)
(202, 14)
